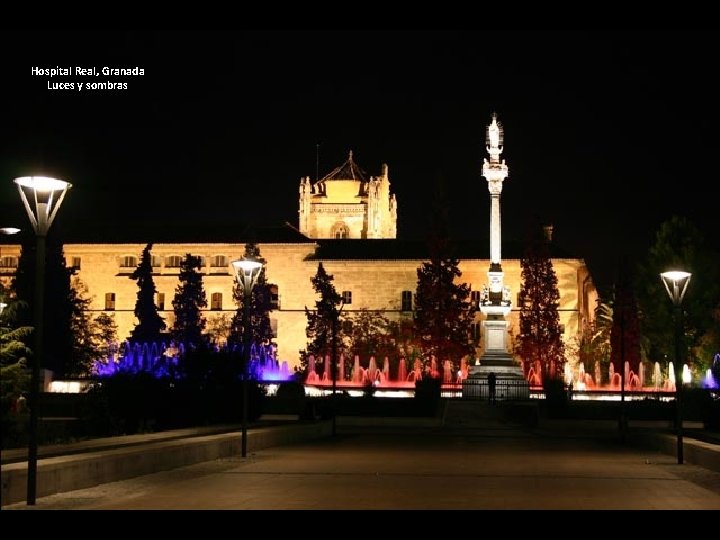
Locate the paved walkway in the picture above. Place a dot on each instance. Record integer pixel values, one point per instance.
(16, 455)
(463, 467)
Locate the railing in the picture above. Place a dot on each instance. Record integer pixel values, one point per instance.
(505, 389)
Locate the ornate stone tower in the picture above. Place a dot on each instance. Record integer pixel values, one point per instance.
(346, 204)
(495, 303)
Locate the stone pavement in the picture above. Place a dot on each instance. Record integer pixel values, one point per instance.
(483, 464)
(16, 455)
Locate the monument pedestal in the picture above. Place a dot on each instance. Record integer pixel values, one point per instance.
(510, 382)
(496, 359)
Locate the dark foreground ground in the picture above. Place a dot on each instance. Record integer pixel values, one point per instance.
(481, 466)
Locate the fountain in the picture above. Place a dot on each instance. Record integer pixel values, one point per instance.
(447, 372)
(712, 375)
(162, 360)
(709, 381)
(402, 370)
(669, 385)
(386, 379)
(657, 376)
(637, 384)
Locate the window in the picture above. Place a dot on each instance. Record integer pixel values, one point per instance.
(160, 301)
(202, 261)
(407, 300)
(76, 263)
(475, 299)
(156, 261)
(340, 231)
(9, 262)
(219, 261)
(128, 261)
(562, 329)
(173, 261)
(273, 327)
(274, 297)
(216, 301)
(110, 301)
(347, 297)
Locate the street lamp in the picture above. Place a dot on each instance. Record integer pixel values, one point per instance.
(676, 282)
(46, 196)
(247, 271)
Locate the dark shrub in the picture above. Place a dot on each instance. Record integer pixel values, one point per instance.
(556, 395)
(428, 388)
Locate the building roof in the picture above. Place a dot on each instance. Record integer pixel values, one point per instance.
(151, 230)
(395, 249)
(328, 249)
(347, 171)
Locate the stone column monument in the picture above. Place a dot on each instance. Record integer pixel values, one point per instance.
(495, 299)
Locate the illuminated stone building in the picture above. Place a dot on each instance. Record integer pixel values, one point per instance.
(347, 222)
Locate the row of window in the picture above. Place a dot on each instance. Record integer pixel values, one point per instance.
(8, 262)
(171, 261)
(216, 300)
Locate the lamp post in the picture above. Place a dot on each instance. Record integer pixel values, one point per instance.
(335, 315)
(46, 196)
(676, 282)
(623, 420)
(247, 271)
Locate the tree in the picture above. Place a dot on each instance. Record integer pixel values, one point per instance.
(625, 333)
(320, 320)
(106, 334)
(14, 375)
(57, 305)
(540, 338)
(150, 323)
(189, 300)
(443, 312)
(218, 328)
(85, 349)
(260, 305)
(678, 245)
(369, 333)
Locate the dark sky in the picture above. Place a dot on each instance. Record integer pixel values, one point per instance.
(607, 134)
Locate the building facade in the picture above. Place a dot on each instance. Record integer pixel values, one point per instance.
(380, 277)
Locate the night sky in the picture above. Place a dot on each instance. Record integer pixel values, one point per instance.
(607, 134)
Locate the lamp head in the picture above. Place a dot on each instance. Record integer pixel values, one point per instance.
(42, 184)
(676, 282)
(43, 204)
(9, 230)
(247, 271)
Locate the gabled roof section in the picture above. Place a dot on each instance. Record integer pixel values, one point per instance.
(347, 171)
